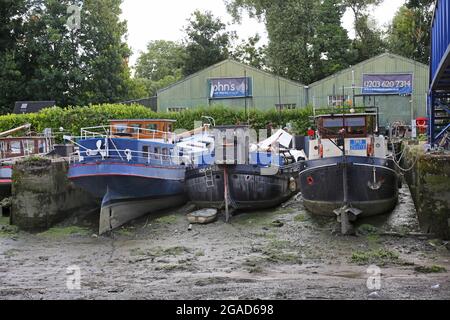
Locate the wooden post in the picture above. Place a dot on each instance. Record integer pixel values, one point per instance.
(225, 181)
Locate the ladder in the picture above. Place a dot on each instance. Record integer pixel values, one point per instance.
(440, 118)
(209, 177)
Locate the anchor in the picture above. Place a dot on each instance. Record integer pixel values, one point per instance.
(374, 185)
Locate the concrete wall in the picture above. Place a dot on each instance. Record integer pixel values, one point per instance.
(429, 182)
(42, 195)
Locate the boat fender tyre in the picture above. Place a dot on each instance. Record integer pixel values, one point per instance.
(292, 184)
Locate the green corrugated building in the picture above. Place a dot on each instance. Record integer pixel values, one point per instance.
(397, 85)
(386, 68)
(224, 83)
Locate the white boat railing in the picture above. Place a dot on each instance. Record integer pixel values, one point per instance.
(127, 155)
(139, 133)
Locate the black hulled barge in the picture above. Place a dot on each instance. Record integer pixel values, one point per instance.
(349, 172)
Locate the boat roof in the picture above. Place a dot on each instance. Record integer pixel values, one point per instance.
(143, 120)
(336, 115)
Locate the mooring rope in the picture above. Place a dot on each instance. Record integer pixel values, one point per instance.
(397, 162)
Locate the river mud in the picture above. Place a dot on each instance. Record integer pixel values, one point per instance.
(284, 253)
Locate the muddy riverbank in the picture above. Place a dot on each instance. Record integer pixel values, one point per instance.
(276, 254)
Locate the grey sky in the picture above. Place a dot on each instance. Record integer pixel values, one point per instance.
(154, 20)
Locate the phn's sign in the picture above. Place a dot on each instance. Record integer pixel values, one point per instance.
(400, 84)
(222, 88)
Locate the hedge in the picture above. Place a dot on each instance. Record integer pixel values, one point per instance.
(72, 119)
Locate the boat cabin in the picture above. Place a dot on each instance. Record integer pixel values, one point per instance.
(348, 125)
(354, 133)
(23, 146)
(143, 128)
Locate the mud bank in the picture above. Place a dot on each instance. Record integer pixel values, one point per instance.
(276, 254)
(429, 181)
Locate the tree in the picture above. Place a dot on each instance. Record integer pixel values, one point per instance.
(44, 59)
(332, 46)
(206, 42)
(369, 39)
(409, 33)
(11, 31)
(161, 59)
(249, 53)
(306, 38)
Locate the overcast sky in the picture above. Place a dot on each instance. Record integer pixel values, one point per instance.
(154, 20)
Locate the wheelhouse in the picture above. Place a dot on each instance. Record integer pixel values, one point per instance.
(24, 146)
(335, 126)
(143, 128)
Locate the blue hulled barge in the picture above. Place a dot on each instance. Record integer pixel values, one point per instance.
(131, 168)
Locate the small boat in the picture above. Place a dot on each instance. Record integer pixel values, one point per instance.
(15, 148)
(349, 172)
(232, 172)
(131, 167)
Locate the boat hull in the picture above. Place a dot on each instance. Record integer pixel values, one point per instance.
(372, 185)
(204, 193)
(126, 192)
(248, 187)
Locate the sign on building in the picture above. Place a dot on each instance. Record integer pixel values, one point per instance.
(221, 88)
(399, 84)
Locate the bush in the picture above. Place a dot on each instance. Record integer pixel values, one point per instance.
(72, 119)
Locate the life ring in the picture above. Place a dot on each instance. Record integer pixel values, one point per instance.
(128, 154)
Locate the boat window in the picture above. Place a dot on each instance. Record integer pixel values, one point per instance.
(152, 126)
(120, 128)
(331, 127)
(15, 147)
(136, 128)
(29, 147)
(169, 127)
(42, 147)
(165, 153)
(145, 150)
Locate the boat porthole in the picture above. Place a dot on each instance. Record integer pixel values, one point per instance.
(247, 178)
(310, 180)
(218, 177)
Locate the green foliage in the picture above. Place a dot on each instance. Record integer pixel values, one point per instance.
(432, 269)
(72, 119)
(41, 59)
(306, 38)
(409, 33)
(249, 53)
(380, 257)
(161, 59)
(207, 42)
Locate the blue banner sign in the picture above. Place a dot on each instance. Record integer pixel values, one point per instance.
(222, 88)
(358, 145)
(401, 84)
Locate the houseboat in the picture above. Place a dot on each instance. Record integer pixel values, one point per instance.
(233, 172)
(349, 172)
(14, 148)
(131, 167)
